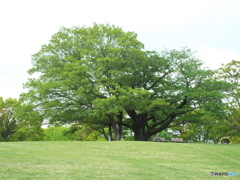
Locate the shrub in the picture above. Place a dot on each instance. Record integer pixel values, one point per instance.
(55, 134)
(235, 139)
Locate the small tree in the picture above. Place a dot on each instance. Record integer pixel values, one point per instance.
(230, 73)
(8, 120)
(20, 119)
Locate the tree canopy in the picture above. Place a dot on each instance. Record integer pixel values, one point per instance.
(102, 76)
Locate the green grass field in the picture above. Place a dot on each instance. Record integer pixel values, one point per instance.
(116, 160)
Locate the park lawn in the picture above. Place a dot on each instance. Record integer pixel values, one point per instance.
(116, 160)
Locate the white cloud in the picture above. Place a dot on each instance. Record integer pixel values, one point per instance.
(214, 57)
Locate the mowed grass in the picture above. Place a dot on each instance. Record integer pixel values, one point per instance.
(116, 160)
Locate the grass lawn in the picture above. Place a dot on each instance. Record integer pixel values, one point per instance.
(117, 160)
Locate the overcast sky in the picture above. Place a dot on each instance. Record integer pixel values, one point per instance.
(210, 27)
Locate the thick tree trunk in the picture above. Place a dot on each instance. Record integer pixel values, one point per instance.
(138, 126)
(139, 134)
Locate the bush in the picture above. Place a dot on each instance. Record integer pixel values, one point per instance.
(83, 133)
(95, 136)
(55, 134)
(235, 139)
(129, 138)
(27, 133)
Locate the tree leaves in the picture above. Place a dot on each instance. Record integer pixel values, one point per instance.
(96, 74)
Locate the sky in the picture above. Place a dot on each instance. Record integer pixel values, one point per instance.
(209, 27)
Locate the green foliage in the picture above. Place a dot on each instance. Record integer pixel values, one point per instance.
(26, 133)
(163, 134)
(233, 122)
(230, 73)
(129, 138)
(235, 140)
(100, 75)
(19, 122)
(74, 132)
(8, 120)
(29, 116)
(211, 131)
(95, 136)
(83, 133)
(55, 134)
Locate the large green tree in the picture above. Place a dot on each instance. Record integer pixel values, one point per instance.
(80, 66)
(102, 76)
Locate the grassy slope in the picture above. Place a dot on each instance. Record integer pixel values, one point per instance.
(116, 160)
